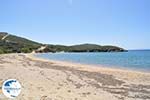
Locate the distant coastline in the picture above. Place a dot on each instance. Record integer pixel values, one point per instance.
(14, 44)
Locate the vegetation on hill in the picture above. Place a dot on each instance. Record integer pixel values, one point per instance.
(15, 44)
(84, 48)
(2, 34)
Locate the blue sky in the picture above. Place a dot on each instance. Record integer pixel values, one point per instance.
(124, 23)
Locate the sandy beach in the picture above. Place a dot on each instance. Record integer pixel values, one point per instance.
(54, 80)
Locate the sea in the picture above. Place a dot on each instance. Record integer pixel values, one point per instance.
(138, 60)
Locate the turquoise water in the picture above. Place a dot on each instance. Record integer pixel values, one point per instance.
(134, 60)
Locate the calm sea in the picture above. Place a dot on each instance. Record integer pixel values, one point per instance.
(134, 60)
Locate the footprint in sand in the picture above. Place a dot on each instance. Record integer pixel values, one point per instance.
(45, 98)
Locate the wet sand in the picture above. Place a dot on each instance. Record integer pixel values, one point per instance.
(54, 80)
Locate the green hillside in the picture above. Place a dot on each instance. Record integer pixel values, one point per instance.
(84, 48)
(94, 48)
(14, 44)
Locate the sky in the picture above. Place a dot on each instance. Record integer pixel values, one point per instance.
(124, 23)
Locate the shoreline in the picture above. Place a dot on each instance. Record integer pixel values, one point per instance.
(129, 75)
(86, 66)
(43, 79)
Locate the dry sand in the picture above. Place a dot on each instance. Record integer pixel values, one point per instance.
(54, 80)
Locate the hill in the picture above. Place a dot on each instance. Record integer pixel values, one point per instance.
(14, 44)
(94, 48)
(84, 48)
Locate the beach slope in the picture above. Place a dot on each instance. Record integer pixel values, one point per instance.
(53, 80)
